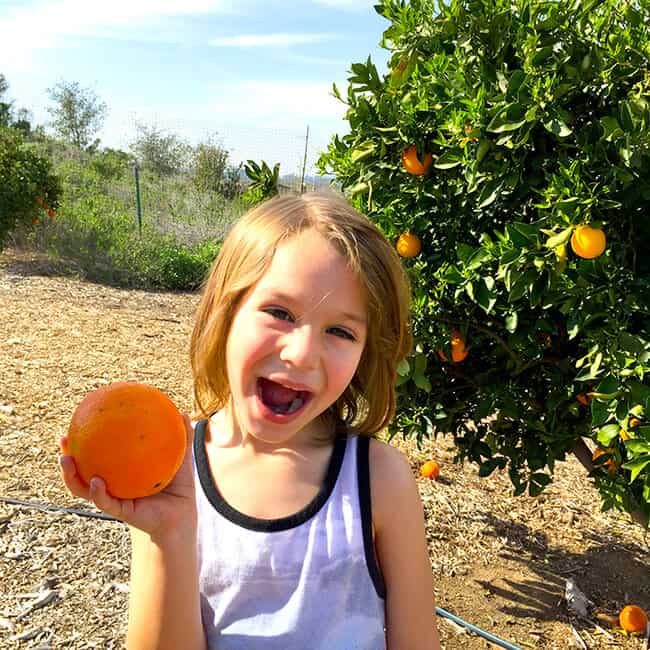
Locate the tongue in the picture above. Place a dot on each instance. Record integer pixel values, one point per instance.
(276, 395)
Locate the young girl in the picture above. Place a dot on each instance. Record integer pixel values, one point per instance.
(289, 525)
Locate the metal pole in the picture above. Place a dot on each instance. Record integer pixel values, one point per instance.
(136, 171)
(304, 164)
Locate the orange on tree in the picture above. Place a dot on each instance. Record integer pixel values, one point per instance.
(412, 163)
(634, 422)
(588, 242)
(129, 434)
(609, 463)
(430, 469)
(633, 618)
(51, 213)
(583, 399)
(458, 350)
(408, 245)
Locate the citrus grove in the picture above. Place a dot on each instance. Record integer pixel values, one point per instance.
(506, 153)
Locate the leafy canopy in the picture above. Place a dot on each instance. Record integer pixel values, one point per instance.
(537, 116)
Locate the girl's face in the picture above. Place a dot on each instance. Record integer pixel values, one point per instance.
(295, 341)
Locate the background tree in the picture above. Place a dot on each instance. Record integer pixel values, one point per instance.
(211, 170)
(20, 119)
(161, 152)
(29, 190)
(78, 114)
(5, 107)
(501, 130)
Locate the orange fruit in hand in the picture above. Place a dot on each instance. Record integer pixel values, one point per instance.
(412, 163)
(633, 619)
(408, 245)
(588, 242)
(458, 350)
(129, 434)
(430, 469)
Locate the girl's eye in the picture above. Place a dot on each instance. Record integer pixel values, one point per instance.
(278, 312)
(344, 334)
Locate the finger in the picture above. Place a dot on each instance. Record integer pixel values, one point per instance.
(72, 479)
(183, 481)
(100, 496)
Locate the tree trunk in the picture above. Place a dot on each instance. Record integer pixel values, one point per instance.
(583, 454)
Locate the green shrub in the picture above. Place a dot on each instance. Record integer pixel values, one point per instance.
(537, 117)
(29, 191)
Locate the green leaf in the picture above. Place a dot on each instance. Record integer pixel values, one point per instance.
(448, 160)
(486, 294)
(611, 128)
(489, 194)
(558, 127)
(559, 239)
(511, 321)
(607, 433)
(636, 466)
(363, 151)
(403, 368)
(521, 234)
(422, 382)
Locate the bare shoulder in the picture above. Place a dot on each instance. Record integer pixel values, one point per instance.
(392, 482)
(384, 457)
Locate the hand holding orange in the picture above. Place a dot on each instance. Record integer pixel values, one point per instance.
(129, 434)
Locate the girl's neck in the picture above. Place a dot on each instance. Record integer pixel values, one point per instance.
(225, 431)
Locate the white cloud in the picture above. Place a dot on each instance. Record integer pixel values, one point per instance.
(46, 23)
(281, 103)
(352, 5)
(274, 40)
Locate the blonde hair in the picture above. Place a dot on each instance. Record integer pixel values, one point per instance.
(368, 403)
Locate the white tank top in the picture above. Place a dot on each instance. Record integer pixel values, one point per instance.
(309, 580)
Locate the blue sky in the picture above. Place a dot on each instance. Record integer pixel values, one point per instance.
(256, 72)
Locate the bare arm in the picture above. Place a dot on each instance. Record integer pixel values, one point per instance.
(164, 606)
(402, 552)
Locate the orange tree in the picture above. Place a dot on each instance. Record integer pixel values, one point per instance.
(532, 222)
(29, 190)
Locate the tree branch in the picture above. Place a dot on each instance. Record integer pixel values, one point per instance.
(583, 454)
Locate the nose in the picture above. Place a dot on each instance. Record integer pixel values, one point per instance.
(300, 348)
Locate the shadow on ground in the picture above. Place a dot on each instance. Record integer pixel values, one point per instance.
(610, 573)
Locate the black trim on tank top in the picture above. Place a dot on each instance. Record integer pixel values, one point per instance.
(363, 472)
(254, 523)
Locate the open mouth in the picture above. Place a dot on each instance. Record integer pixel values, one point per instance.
(280, 399)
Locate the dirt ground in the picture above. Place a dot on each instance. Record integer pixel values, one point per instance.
(500, 562)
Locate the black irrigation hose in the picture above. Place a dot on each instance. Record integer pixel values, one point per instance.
(100, 515)
(48, 507)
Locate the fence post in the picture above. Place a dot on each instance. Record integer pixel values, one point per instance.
(304, 163)
(136, 172)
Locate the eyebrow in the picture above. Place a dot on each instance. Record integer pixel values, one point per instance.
(349, 316)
